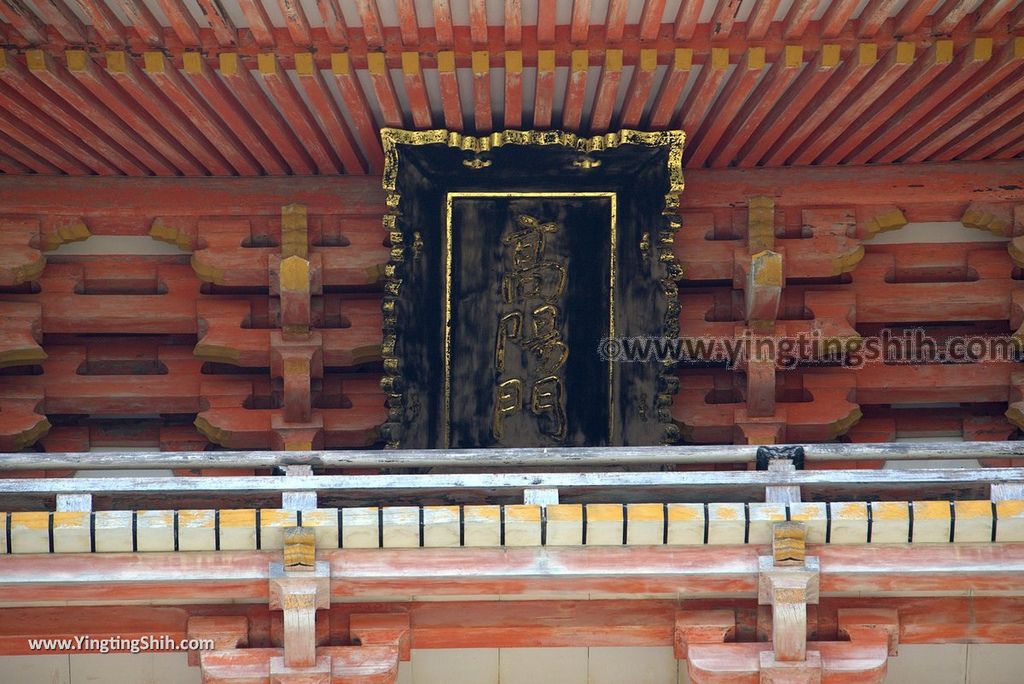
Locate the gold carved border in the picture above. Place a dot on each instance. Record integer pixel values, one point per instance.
(391, 138)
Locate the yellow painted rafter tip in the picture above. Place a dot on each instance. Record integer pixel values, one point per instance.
(153, 62)
(117, 61)
(376, 63)
(304, 64)
(683, 59)
(266, 62)
(340, 63)
(580, 60)
(410, 62)
(481, 62)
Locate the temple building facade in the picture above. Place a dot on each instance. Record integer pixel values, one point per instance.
(511, 341)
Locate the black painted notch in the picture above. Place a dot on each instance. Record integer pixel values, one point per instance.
(766, 454)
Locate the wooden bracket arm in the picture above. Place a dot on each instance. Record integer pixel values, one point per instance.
(383, 629)
(871, 625)
(702, 627)
(226, 631)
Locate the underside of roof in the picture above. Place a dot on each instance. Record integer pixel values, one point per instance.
(276, 87)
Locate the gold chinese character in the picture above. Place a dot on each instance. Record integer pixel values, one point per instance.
(546, 398)
(509, 328)
(508, 400)
(545, 281)
(528, 244)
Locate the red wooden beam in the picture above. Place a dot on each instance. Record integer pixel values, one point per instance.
(107, 26)
(53, 154)
(991, 12)
(973, 124)
(544, 94)
(513, 89)
(727, 106)
(823, 104)
(575, 90)
(797, 19)
(24, 21)
(26, 157)
(527, 623)
(778, 79)
(896, 99)
(358, 108)
(205, 81)
(407, 22)
(327, 113)
(650, 19)
(182, 22)
(546, 23)
(1016, 19)
(950, 14)
(416, 90)
(297, 115)
(981, 84)
(724, 18)
(260, 27)
(194, 108)
(482, 91)
(150, 143)
(296, 21)
(867, 92)
(785, 111)
(1014, 149)
(639, 89)
(220, 23)
(111, 156)
(9, 165)
(874, 14)
(513, 23)
(615, 20)
(1010, 129)
(922, 188)
(702, 95)
(912, 16)
(971, 58)
(478, 22)
(122, 69)
(579, 29)
(334, 22)
(607, 91)
(105, 135)
(49, 129)
(143, 21)
(373, 27)
(451, 99)
(384, 89)
(388, 573)
(672, 86)
(443, 24)
(686, 19)
(244, 87)
(59, 15)
(836, 16)
(761, 18)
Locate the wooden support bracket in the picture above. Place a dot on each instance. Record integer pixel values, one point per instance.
(702, 627)
(764, 285)
(383, 629)
(871, 624)
(300, 586)
(226, 632)
(788, 586)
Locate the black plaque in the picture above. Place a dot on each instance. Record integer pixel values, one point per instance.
(513, 257)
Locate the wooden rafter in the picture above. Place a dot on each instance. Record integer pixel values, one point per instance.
(719, 124)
